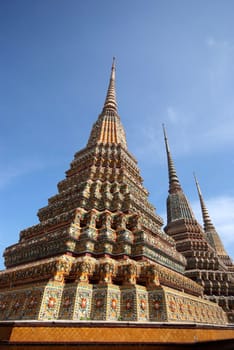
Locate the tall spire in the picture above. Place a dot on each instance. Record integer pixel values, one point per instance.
(110, 102)
(108, 129)
(206, 217)
(210, 231)
(174, 183)
(178, 206)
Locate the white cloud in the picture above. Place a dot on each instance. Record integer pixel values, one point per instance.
(220, 44)
(203, 132)
(203, 120)
(146, 142)
(220, 70)
(211, 41)
(172, 114)
(219, 134)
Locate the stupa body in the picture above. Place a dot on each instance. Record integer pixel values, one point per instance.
(99, 251)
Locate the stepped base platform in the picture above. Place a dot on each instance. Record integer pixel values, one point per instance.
(113, 335)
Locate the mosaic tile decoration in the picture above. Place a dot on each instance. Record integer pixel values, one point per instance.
(83, 302)
(51, 301)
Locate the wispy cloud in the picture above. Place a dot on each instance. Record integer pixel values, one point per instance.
(211, 42)
(199, 117)
(215, 43)
(206, 122)
(21, 167)
(172, 114)
(152, 146)
(220, 134)
(221, 69)
(146, 140)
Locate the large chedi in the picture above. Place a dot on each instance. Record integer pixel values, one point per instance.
(99, 251)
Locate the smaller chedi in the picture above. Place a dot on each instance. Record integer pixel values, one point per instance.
(207, 261)
(99, 251)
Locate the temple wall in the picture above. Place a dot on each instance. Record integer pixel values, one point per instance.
(106, 302)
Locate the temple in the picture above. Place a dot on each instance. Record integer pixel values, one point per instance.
(99, 251)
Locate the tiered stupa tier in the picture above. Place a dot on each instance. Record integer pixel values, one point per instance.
(207, 261)
(99, 251)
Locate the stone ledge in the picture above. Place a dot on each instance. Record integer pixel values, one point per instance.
(109, 334)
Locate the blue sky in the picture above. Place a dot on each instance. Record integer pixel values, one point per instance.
(175, 65)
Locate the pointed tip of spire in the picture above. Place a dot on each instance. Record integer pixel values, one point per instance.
(209, 228)
(108, 128)
(165, 137)
(174, 183)
(206, 217)
(195, 178)
(197, 184)
(110, 102)
(164, 130)
(113, 68)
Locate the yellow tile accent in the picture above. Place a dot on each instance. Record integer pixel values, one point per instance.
(114, 334)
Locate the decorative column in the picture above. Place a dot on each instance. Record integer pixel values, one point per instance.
(88, 233)
(157, 305)
(77, 296)
(52, 295)
(106, 235)
(134, 298)
(124, 237)
(106, 295)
